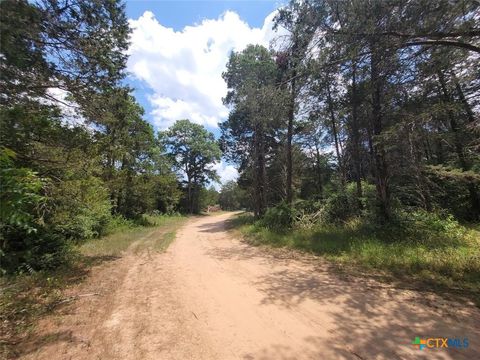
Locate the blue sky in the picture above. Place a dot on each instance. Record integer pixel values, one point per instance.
(179, 50)
(177, 14)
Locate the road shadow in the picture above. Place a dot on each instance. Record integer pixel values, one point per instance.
(214, 227)
(370, 320)
(374, 317)
(42, 296)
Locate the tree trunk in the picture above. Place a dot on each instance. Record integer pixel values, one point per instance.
(319, 172)
(453, 123)
(381, 170)
(356, 137)
(335, 135)
(463, 161)
(291, 115)
(262, 173)
(259, 171)
(189, 197)
(461, 96)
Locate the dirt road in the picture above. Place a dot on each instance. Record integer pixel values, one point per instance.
(213, 297)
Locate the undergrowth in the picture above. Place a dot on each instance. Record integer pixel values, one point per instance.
(434, 253)
(27, 296)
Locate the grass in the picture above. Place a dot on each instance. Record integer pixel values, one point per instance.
(25, 298)
(165, 241)
(447, 260)
(146, 237)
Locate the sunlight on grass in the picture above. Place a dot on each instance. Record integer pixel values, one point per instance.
(453, 262)
(114, 244)
(164, 242)
(147, 236)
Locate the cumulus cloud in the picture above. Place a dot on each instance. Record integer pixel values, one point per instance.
(225, 171)
(183, 68)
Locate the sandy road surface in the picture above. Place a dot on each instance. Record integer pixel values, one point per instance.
(213, 297)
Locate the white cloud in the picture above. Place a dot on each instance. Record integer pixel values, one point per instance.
(183, 68)
(226, 172)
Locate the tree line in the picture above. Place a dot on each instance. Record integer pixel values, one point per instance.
(77, 158)
(367, 107)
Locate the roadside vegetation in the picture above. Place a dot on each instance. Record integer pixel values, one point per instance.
(356, 137)
(420, 250)
(25, 297)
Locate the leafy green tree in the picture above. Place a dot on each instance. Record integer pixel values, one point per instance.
(20, 197)
(78, 46)
(193, 151)
(208, 197)
(291, 60)
(70, 174)
(257, 112)
(232, 197)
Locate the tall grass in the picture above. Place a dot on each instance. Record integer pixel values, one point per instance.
(445, 256)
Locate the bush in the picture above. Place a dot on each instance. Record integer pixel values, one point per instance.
(20, 198)
(35, 251)
(278, 217)
(26, 243)
(432, 227)
(81, 208)
(342, 206)
(117, 222)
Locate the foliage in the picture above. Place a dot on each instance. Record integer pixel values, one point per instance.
(363, 93)
(82, 208)
(20, 198)
(26, 243)
(76, 155)
(76, 46)
(29, 252)
(429, 248)
(208, 197)
(232, 197)
(278, 217)
(257, 105)
(28, 296)
(193, 150)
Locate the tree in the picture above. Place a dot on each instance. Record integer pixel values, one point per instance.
(65, 175)
(77, 46)
(193, 151)
(390, 88)
(291, 58)
(232, 197)
(207, 197)
(257, 108)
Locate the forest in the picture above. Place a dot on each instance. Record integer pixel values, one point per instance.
(357, 136)
(77, 166)
(361, 116)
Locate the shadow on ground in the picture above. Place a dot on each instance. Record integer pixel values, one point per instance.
(377, 319)
(41, 296)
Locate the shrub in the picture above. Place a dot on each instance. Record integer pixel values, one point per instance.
(434, 228)
(20, 198)
(26, 243)
(117, 222)
(39, 250)
(342, 206)
(81, 208)
(278, 217)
